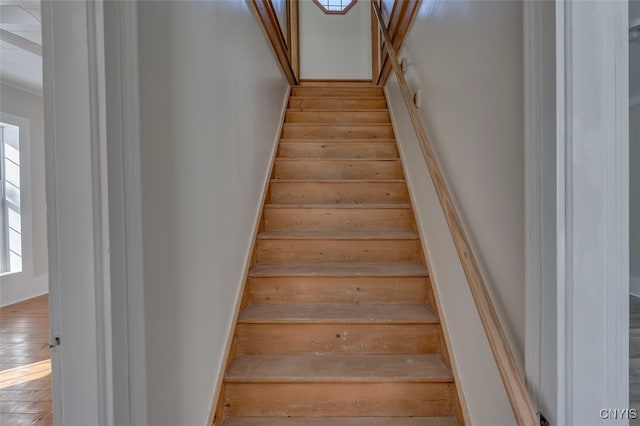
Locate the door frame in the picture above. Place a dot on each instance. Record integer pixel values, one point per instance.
(94, 212)
(577, 280)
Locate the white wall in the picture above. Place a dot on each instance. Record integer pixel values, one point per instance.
(335, 46)
(634, 155)
(634, 198)
(466, 57)
(33, 280)
(211, 98)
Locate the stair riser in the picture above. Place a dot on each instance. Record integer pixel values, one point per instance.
(338, 338)
(337, 91)
(306, 103)
(334, 169)
(337, 251)
(339, 399)
(315, 291)
(338, 149)
(318, 193)
(304, 131)
(349, 117)
(340, 421)
(338, 220)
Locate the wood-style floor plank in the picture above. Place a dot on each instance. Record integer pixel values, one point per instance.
(25, 364)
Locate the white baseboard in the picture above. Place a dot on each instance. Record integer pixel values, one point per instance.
(634, 286)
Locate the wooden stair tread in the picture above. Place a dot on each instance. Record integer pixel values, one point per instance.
(391, 235)
(336, 140)
(337, 181)
(340, 270)
(339, 314)
(347, 125)
(352, 116)
(338, 206)
(338, 369)
(328, 160)
(357, 98)
(341, 103)
(336, 83)
(340, 421)
(338, 92)
(337, 111)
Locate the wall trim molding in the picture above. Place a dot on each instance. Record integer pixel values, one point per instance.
(74, 144)
(532, 27)
(94, 212)
(129, 405)
(540, 232)
(20, 87)
(592, 210)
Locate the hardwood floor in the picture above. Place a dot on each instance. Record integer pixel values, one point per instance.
(25, 364)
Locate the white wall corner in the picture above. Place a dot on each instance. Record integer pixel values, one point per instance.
(634, 286)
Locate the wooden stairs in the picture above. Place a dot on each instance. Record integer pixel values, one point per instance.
(338, 324)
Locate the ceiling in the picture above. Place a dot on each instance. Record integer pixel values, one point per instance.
(21, 44)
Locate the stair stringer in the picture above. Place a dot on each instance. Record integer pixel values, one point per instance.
(215, 411)
(472, 363)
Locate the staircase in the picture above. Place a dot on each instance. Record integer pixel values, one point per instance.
(338, 324)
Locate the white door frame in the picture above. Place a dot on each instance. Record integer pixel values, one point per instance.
(540, 204)
(577, 318)
(93, 212)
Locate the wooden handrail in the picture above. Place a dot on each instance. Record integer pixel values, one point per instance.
(513, 383)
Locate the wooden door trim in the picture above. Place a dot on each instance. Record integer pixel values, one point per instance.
(270, 23)
(399, 23)
(293, 37)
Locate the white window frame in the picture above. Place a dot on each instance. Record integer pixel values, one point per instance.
(344, 4)
(16, 277)
(5, 238)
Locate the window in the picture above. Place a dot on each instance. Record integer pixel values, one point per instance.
(335, 7)
(10, 220)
